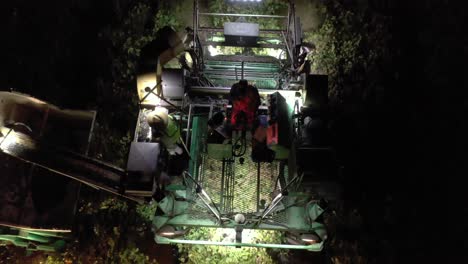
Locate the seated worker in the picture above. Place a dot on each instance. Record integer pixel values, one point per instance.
(245, 102)
(166, 129)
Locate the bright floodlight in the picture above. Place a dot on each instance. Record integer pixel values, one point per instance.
(8, 138)
(170, 231)
(310, 238)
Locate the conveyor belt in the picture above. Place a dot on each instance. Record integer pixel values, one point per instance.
(91, 172)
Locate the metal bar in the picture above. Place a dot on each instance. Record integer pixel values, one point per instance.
(276, 200)
(299, 181)
(195, 24)
(258, 186)
(200, 175)
(225, 90)
(139, 193)
(313, 247)
(264, 31)
(91, 130)
(273, 204)
(242, 70)
(262, 39)
(236, 60)
(88, 182)
(228, 189)
(289, 51)
(252, 73)
(294, 44)
(135, 136)
(219, 74)
(34, 230)
(210, 114)
(280, 177)
(256, 69)
(233, 182)
(217, 214)
(266, 45)
(239, 58)
(201, 105)
(202, 194)
(268, 80)
(223, 168)
(289, 19)
(187, 136)
(293, 15)
(185, 147)
(242, 15)
(194, 146)
(291, 182)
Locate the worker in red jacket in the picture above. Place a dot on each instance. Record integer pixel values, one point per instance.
(245, 102)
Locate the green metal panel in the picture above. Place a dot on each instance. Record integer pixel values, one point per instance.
(281, 153)
(219, 151)
(314, 211)
(198, 136)
(295, 217)
(33, 239)
(170, 206)
(313, 247)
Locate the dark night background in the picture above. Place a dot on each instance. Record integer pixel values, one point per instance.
(403, 157)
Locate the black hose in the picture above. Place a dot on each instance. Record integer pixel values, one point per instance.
(242, 146)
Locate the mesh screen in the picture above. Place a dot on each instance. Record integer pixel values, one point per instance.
(238, 193)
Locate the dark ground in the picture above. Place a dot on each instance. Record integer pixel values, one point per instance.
(403, 158)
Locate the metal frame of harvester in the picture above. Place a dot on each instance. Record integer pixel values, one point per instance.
(218, 187)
